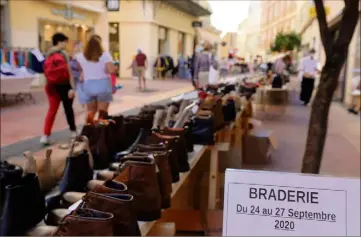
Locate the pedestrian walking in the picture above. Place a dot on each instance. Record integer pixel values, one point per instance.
(59, 87)
(141, 65)
(280, 67)
(308, 70)
(224, 66)
(204, 64)
(96, 90)
(75, 66)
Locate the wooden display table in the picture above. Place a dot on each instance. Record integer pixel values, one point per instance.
(158, 228)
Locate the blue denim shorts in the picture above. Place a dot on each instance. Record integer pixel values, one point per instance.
(95, 90)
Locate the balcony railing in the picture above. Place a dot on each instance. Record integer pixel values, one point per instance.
(191, 7)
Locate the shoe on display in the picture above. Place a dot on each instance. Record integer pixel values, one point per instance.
(164, 175)
(86, 222)
(24, 206)
(181, 148)
(147, 200)
(172, 157)
(120, 205)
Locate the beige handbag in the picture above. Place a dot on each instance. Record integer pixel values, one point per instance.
(61, 152)
(45, 171)
(50, 163)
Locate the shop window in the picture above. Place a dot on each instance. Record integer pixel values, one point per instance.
(75, 33)
(114, 40)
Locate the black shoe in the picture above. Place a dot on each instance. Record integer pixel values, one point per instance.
(9, 175)
(352, 111)
(77, 173)
(24, 206)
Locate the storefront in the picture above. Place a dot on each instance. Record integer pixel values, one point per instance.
(32, 23)
(156, 27)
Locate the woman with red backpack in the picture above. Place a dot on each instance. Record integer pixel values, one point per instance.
(60, 86)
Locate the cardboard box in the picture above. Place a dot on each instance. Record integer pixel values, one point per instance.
(257, 146)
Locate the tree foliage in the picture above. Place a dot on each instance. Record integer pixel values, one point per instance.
(286, 42)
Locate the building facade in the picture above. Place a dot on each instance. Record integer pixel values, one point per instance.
(208, 33)
(249, 33)
(311, 39)
(30, 24)
(156, 27)
(276, 16)
(229, 43)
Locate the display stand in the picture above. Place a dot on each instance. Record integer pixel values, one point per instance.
(161, 228)
(187, 219)
(190, 218)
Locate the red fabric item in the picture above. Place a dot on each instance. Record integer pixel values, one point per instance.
(202, 95)
(113, 78)
(140, 59)
(54, 101)
(56, 69)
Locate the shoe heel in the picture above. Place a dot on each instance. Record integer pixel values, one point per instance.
(149, 216)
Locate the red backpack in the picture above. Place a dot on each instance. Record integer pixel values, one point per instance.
(56, 68)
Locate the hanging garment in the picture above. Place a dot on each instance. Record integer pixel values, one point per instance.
(16, 59)
(36, 64)
(20, 58)
(26, 59)
(29, 59)
(8, 56)
(182, 70)
(12, 58)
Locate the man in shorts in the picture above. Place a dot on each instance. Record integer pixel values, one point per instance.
(141, 65)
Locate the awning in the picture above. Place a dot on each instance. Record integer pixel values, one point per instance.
(190, 7)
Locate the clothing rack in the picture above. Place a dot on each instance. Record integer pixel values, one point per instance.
(16, 56)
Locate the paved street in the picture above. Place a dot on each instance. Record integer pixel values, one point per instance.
(341, 155)
(25, 121)
(342, 151)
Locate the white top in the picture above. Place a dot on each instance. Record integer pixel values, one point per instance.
(223, 64)
(279, 66)
(94, 70)
(308, 65)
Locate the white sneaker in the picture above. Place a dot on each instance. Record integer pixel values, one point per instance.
(44, 140)
(74, 134)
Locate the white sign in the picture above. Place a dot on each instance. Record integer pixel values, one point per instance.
(259, 203)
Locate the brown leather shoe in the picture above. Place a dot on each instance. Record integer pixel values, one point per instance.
(139, 175)
(172, 158)
(181, 148)
(164, 175)
(111, 186)
(178, 145)
(120, 205)
(86, 222)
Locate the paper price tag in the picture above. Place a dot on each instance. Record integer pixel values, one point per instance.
(286, 204)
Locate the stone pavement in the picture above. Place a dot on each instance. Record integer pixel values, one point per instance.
(341, 155)
(21, 122)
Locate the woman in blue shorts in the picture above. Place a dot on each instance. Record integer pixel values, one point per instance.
(96, 89)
